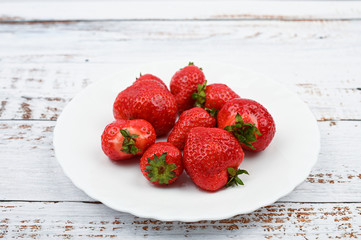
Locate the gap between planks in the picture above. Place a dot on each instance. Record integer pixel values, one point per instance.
(97, 202)
(260, 18)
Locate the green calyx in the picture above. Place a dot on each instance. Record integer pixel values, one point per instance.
(213, 112)
(159, 170)
(233, 176)
(200, 95)
(191, 64)
(128, 145)
(244, 132)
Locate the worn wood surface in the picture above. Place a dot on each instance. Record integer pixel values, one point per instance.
(46, 69)
(175, 10)
(70, 220)
(49, 51)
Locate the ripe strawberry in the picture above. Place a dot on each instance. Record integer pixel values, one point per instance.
(149, 100)
(211, 158)
(194, 117)
(162, 163)
(184, 83)
(249, 121)
(213, 96)
(124, 139)
(150, 78)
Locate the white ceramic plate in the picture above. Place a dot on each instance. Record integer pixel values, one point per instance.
(274, 172)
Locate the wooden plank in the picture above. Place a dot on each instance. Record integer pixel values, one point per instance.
(85, 221)
(31, 172)
(106, 41)
(85, 10)
(63, 59)
(326, 104)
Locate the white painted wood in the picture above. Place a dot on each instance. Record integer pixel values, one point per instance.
(29, 170)
(62, 59)
(326, 104)
(84, 221)
(280, 10)
(313, 48)
(105, 41)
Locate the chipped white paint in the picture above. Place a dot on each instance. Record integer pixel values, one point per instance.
(60, 60)
(314, 48)
(282, 220)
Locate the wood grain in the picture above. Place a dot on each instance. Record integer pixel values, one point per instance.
(326, 104)
(49, 51)
(61, 59)
(335, 178)
(125, 10)
(74, 220)
(101, 41)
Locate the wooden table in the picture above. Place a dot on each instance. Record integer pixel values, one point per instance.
(51, 50)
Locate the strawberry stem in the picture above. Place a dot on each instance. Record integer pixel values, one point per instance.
(244, 132)
(233, 176)
(213, 112)
(200, 95)
(159, 170)
(128, 145)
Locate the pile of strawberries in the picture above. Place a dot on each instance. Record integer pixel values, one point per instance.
(214, 126)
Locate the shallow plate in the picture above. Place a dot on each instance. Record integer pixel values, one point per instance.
(274, 172)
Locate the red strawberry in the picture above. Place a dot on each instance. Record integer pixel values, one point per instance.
(150, 78)
(184, 83)
(149, 100)
(249, 121)
(194, 117)
(162, 163)
(213, 96)
(124, 139)
(211, 158)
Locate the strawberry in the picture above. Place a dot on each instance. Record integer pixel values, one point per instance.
(211, 158)
(150, 78)
(124, 139)
(162, 163)
(149, 100)
(249, 121)
(184, 83)
(213, 96)
(194, 117)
